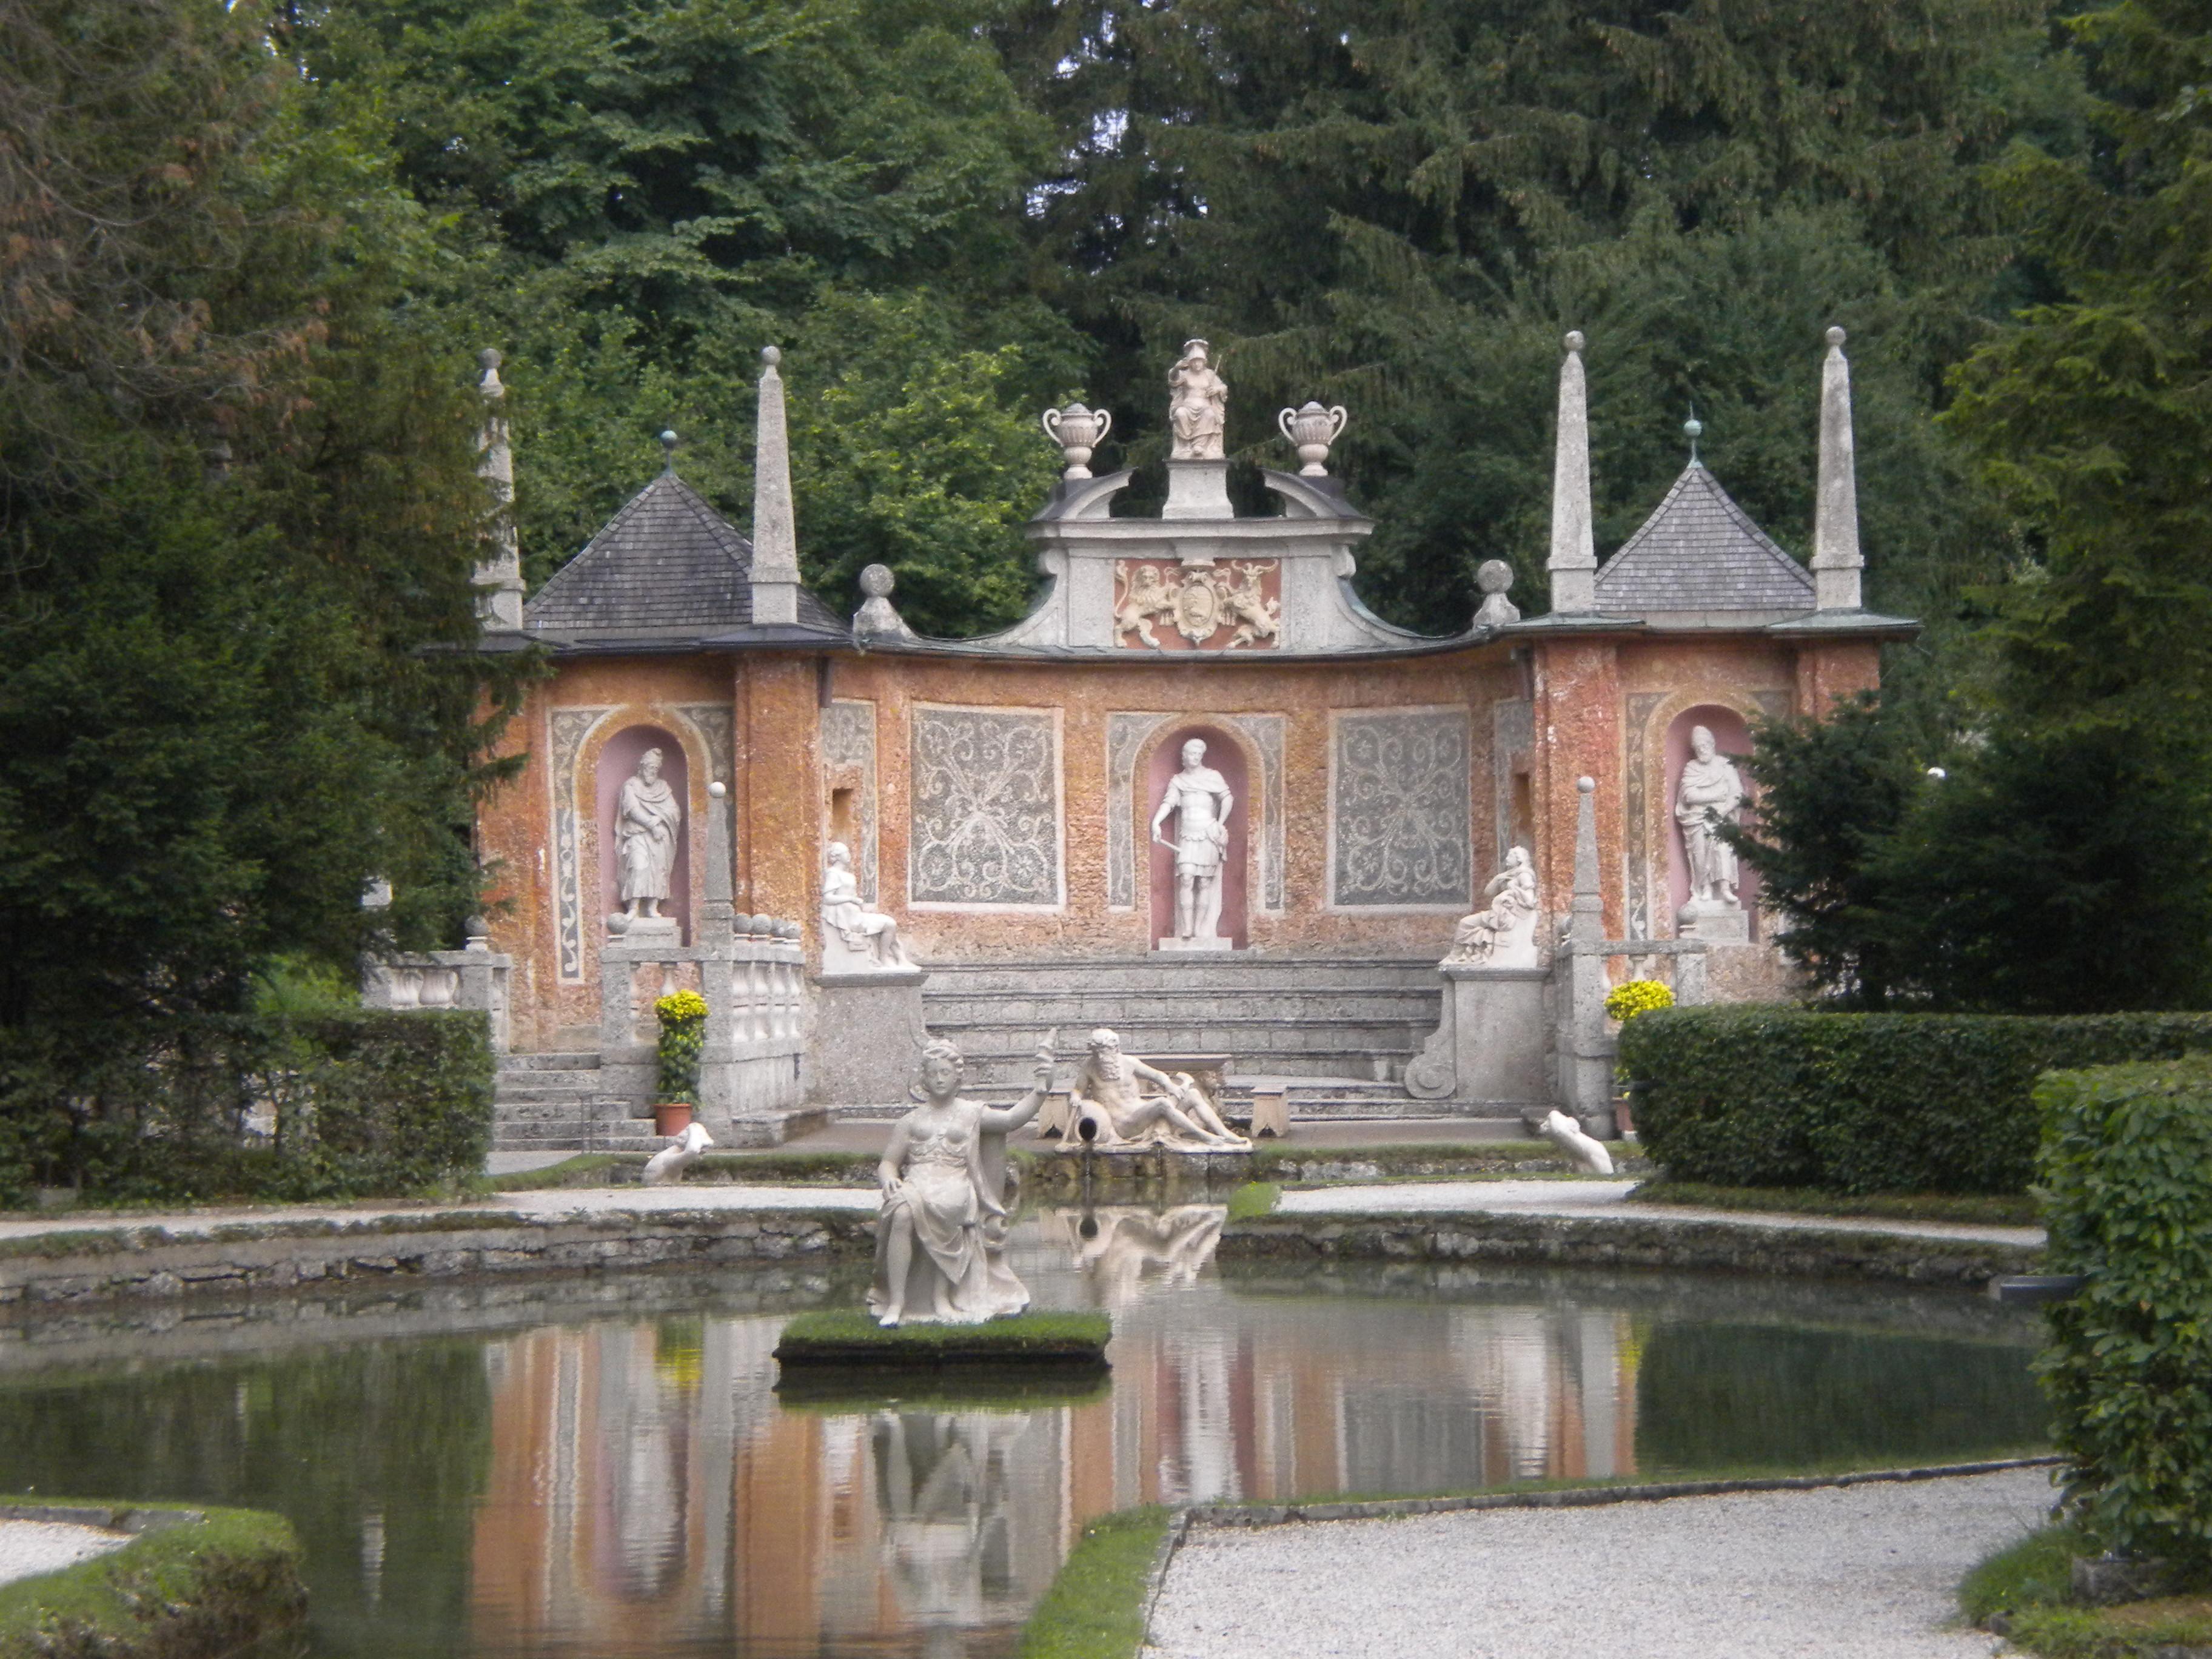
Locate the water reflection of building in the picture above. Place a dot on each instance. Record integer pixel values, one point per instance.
(647, 1494)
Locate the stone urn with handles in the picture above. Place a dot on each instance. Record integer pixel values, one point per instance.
(1078, 431)
(1311, 431)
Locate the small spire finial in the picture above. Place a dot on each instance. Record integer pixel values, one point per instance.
(1836, 339)
(1694, 428)
(668, 451)
(770, 356)
(1574, 341)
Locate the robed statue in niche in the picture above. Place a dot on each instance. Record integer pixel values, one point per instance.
(1198, 800)
(646, 819)
(1707, 799)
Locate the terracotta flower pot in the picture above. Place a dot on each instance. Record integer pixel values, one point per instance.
(671, 1117)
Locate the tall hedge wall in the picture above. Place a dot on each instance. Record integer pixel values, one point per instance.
(1764, 1095)
(357, 1104)
(2127, 1164)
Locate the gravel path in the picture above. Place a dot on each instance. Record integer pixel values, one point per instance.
(30, 1547)
(1855, 1572)
(1603, 1199)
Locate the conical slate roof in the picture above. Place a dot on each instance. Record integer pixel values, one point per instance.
(1701, 552)
(667, 567)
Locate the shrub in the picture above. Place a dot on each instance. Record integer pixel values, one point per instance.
(342, 1104)
(2126, 1164)
(1767, 1096)
(682, 1016)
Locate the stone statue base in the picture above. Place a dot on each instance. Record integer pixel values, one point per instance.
(1198, 489)
(867, 1036)
(1213, 942)
(1488, 1049)
(644, 930)
(1713, 920)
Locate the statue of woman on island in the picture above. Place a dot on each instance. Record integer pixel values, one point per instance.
(941, 1233)
(1197, 405)
(646, 817)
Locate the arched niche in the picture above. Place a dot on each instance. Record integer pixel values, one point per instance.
(1732, 738)
(617, 761)
(1226, 755)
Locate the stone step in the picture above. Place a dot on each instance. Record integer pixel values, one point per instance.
(1226, 973)
(1342, 1007)
(551, 1060)
(547, 1086)
(600, 1110)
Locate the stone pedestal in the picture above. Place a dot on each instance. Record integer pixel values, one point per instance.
(1488, 1050)
(1214, 942)
(1713, 921)
(868, 1036)
(1198, 489)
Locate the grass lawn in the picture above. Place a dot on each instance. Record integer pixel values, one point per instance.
(1096, 1606)
(1975, 1209)
(2020, 1593)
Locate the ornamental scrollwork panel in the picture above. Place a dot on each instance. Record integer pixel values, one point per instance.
(984, 812)
(1400, 821)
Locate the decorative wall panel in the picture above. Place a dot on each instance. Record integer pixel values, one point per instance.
(1267, 733)
(1400, 834)
(569, 727)
(849, 740)
(717, 727)
(985, 814)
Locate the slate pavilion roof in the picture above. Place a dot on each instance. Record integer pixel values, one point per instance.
(1700, 552)
(666, 569)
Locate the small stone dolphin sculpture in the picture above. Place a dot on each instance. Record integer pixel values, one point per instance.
(1567, 1135)
(667, 1165)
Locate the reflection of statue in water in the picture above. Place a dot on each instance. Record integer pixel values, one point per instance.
(1505, 935)
(1199, 798)
(646, 817)
(944, 1492)
(1709, 796)
(941, 1233)
(1107, 1095)
(1118, 1248)
(868, 935)
(1197, 405)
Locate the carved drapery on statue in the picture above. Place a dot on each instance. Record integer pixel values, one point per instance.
(1120, 1102)
(854, 938)
(1199, 801)
(1503, 935)
(1162, 605)
(1709, 796)
(1197, 405)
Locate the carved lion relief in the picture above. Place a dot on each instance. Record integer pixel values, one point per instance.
(1160, 605)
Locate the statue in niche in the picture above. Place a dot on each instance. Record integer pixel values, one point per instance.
(854, 938)
(941, 1233)
(1505, 935)
(1197, 405)
(1198, 799)
(647, 818)
(1709, 795)
(1110, 1096)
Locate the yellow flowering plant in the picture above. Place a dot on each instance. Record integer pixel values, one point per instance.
(1637, 996)
(683, 1016)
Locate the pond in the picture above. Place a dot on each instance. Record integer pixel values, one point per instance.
(601, 1467)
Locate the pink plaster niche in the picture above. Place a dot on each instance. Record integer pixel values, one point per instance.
(617, 761)
(1732, 738)
(1226, 757)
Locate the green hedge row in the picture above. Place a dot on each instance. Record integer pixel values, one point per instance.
(2126, 1165)
(357, 1104)
(1764, 1096)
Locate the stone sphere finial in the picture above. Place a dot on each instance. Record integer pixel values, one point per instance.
(668, 450)
(1836, 338)
(1588, 786)
(718, 789)
(770, 356)
(1493, 576)
(1574, 341)
(877, 582)
(489, 358)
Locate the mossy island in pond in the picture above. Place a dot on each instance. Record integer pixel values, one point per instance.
(1067, 1347)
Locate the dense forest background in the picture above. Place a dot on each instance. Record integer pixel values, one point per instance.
(248, 253)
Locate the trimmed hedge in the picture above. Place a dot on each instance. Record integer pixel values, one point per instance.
(1757, 1095)
(2127, 1168)
(362, 1104)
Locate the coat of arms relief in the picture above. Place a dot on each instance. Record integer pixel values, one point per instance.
(1194, 605)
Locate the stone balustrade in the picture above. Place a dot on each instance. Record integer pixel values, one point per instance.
(752, 971)
(474, 979)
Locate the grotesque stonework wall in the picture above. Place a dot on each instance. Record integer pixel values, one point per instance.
(1401, 833)
(985, 821)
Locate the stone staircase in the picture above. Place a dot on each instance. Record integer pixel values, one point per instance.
(1336, 1031)
(555, 1101)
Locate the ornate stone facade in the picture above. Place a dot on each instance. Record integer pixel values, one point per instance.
(1400, 828)
(985, 820)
